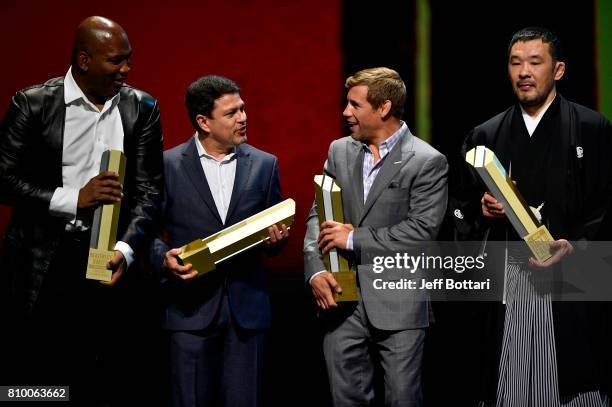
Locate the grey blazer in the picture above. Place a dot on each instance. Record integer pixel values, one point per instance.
(405, 207)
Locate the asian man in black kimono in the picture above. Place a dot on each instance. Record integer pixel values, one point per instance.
(536, 351)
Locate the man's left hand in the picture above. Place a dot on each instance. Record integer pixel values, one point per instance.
(118, 265)
(559, 248)
(334, 234)
(277, 236)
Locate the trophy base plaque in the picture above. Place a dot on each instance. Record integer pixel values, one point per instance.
(538, 241)
(348, 282)
(96, 264)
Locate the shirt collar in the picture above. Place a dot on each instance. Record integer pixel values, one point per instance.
(202, 151)
(72, 93)
(390, 142)
(537, 119)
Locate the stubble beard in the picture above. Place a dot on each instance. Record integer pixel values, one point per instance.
(536, 99)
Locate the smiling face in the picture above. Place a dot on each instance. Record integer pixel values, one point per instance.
(533, 73)
(105, 65)
(361, 117)
(227, 125)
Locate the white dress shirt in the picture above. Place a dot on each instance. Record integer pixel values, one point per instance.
(220, 176)
(88, 132)
(532, 122)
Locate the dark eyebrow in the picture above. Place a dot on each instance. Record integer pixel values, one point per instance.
(234, 109)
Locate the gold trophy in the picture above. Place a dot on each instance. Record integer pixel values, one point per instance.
(105, 222)
(521, 215)
(206, 253)
(329, 207)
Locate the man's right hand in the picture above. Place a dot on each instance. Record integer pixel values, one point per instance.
(324, 285)
(183, 273)
(104, 188)
(491, 207)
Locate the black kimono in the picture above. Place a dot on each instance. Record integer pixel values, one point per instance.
(567, 165)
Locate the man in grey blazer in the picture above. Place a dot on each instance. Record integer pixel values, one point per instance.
(394, 192)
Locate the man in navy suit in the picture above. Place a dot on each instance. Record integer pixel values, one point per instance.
(216, 322)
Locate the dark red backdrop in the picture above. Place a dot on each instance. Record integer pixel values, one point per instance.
(286, 56)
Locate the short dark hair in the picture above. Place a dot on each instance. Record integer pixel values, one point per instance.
(383, 84)
(538, 33)
(202, 93)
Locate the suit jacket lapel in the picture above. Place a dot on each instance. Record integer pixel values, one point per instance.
(354, 191)
(127, 111)
(193, 168)
(243, 170)
(401, 153)
(55, 113)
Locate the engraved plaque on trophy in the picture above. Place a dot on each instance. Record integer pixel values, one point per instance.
(521, 216)
(105, 222)
(206, 253)
(329, 207)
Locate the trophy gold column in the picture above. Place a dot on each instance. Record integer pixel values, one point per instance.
(105, 222)
(521, 216)
(329, 207)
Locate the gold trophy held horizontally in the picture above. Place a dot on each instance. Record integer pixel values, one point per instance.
(206, 253)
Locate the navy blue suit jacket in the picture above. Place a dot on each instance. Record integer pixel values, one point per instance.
(189, 213)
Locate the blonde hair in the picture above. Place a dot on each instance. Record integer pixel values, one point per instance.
(383, 84)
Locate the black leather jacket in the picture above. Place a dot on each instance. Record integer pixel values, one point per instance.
(31, 137)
